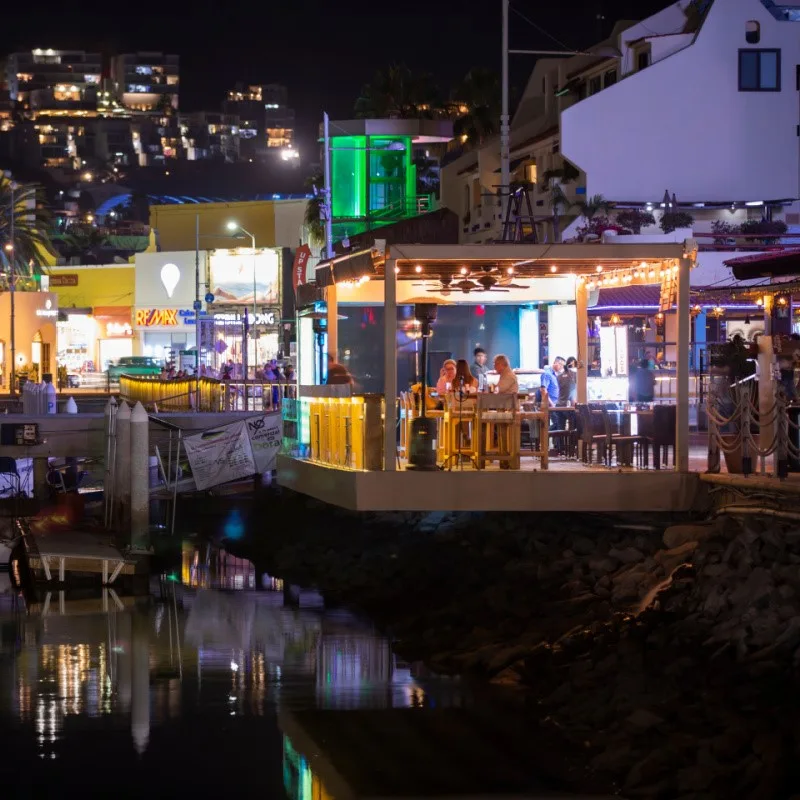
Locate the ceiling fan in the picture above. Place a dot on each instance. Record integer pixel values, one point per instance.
(483, 283)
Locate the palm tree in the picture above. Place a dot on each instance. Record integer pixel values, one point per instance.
(397, 92)
(558, 204)
(596, 204)
(313, 216)
(32, 247)
(480, 93)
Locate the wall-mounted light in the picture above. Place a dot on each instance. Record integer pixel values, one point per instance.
(615, 319)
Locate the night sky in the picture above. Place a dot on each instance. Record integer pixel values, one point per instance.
(322, 52)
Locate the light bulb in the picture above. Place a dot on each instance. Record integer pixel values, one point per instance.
(170, 275)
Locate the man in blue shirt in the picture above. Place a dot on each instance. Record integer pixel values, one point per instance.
(549, 382)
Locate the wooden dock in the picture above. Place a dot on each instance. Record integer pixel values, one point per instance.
(56, 555)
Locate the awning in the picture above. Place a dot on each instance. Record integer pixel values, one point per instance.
(647, 298)
(345, 268)
(766, 265)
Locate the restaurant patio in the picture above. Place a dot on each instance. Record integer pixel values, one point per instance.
(490, 451)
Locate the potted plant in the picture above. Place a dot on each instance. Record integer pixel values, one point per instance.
(731, 363)
(672, 220)
(635, 219)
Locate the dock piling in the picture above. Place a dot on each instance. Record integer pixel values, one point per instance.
(139, 482)
(122, 472)
(109, 414)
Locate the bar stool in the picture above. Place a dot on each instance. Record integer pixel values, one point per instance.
(460, 430)
(498, 430)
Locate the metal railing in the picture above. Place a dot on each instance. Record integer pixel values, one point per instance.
(205, 394)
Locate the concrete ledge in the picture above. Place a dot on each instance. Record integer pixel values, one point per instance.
(490, 490)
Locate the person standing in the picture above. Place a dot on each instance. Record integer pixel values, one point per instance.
(479, 369)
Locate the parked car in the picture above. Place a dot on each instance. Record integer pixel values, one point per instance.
(134, 365)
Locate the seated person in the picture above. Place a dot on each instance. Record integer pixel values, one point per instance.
(446, 377)
(507, 384)
(464, 378)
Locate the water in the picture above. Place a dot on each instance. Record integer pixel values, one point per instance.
(208, 686)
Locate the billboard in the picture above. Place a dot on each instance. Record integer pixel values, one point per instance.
(231, 274)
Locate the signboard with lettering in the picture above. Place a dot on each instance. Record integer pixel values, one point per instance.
(236, 274)
(163, 317)
(260, 318)
(265, 434)
(63, 280)
(301, 256)
(220, 455)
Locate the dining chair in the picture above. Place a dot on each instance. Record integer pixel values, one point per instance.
(497, 430)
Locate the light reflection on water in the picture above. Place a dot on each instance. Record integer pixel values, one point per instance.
(116, 671)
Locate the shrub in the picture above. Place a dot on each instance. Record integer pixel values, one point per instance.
(763, 226)
(672, 220)
(635, 219)
(723, 230)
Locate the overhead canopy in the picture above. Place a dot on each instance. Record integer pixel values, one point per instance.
(777, 263)
(414, 261)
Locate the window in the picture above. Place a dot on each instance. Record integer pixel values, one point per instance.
(759, 70)
(642, 60)
(752, 32)
(595, 84)
(610, 78)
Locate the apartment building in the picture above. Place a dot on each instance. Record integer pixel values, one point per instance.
(266, 123)
(695, 101)
(147, 81)
(210, 135)
(67, 79)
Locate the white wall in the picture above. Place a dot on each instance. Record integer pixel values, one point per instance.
(681, 124)
(289, 216)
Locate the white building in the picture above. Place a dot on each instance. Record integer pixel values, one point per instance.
(710, 115)
(705, 108)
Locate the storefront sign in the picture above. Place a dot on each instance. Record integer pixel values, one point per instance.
(163, 317)
(48, 310)
(261, 318)
(220, 455)
(119, 329)
(63, 280)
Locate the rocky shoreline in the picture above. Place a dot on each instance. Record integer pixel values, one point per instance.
(666, 659)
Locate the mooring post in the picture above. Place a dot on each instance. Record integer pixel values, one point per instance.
(122, 471)
(109, 415)
(140, 474)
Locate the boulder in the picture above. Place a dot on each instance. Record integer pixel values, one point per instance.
(603, 566)
(644, 719)
(681, 534)
(670, 559)
(626, 555)
(583, 545)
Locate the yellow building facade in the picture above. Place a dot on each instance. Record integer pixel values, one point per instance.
(94, 324)
(274, 223)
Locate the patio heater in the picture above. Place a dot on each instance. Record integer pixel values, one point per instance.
(422, 444)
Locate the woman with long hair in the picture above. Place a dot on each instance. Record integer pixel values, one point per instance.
(464, 378)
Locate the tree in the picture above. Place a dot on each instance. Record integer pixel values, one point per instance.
(558, 204)
(313, 217)
(31, 223)
(596, 204)
(480, 92)
(398, 93)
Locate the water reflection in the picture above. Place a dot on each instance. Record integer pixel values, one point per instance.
(82, 675)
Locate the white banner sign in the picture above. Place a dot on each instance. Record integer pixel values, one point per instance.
(265, 434)
(220, 455)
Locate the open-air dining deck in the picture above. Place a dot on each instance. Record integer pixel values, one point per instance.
(507, 452)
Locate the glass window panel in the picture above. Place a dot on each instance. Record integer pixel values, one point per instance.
(748, 69)
(769, 70)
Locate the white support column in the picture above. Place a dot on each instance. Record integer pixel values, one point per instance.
(390, 366)
(122, 471)
(682, 422)
(140, 479)
(582, 314)
(766, 387)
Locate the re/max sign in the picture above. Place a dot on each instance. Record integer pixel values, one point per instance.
(162, 317)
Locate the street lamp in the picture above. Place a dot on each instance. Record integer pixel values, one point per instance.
(235, 226)
(608, 51)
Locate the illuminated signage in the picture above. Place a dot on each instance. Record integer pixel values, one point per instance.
(63, 280)
(48, 310)
(261, 318)
(163, 317)
(119, 329)
(235, 275)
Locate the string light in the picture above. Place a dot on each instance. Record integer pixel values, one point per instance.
(553, 268)
(463, 270)
(599, 268)
(418, 268)
(397, 270)
(510, 271)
